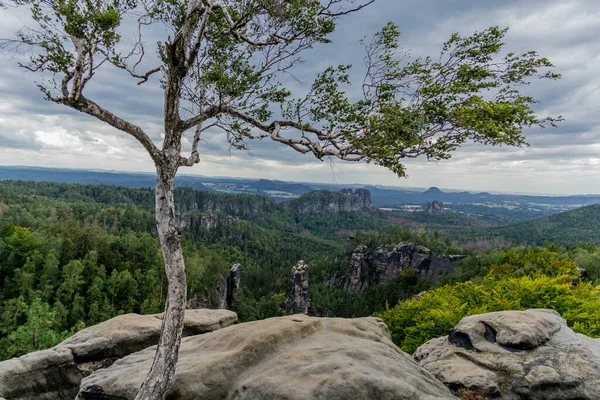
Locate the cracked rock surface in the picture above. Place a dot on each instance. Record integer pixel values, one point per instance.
(530, 354)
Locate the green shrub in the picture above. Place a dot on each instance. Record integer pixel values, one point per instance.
(551, 283)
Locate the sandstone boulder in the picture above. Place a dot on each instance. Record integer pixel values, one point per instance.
(57, 373)
(510, 355)
(226, 295)
(128, 333)
(325, 201)
(293, 357)
(45, 375)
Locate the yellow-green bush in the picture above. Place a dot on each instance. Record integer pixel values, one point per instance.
(551, 283)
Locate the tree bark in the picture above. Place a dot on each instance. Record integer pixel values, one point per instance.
(162, 372)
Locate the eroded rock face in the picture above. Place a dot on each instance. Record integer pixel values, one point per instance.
(435, 208)
(367, 268)
(233, 286)
(293, 357)
(298, 300)
(205, 221)
(514, 355)
(226, 295)
(324, 201)
(56, 373)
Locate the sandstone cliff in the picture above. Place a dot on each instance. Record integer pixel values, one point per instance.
(325, 201)
(435, 208)
(367, 268)
(298, 301)
(237, 205)
(205, 220)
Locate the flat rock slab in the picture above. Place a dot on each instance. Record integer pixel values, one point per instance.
(55, 374)
(294, 357)
(530, 354)
(45, 375)
(128, 333)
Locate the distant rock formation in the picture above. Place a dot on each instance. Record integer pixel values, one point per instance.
(237, 205)
(233, 286)
(435, 208)
(55, 374)
(226, 294)
(512, 355)
(368, 268)
(325, 201)
(294, 357)
(298, 301)
(205, 221)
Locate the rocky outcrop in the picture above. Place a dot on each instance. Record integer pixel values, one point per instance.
(225, 297)
(435, 208)
(367, 268)
(298, 301)
(514, 355)
(294, 358)
(233, 286)
(325, 201)
(46, 375)
(205, 221)
(56, 373)
(228, 288)
(237, 205)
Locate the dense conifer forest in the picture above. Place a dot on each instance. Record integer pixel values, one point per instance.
(74, 255)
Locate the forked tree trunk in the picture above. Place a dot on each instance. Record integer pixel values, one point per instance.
(161, 374)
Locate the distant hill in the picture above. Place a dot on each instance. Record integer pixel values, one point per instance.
(510, 207)
(579, 225)
(267, 187)
(388, 197)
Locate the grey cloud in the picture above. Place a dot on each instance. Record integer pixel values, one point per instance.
(565, 32)
(11, 140)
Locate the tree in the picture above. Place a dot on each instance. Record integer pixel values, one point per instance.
(39, 332)
(223, 67)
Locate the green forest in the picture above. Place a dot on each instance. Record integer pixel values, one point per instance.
(74, 255)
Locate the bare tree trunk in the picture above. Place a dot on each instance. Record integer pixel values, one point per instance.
(161, 374)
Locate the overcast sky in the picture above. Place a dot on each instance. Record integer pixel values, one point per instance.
(565, 160)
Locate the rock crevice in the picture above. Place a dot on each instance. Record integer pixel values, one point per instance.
(516, 355)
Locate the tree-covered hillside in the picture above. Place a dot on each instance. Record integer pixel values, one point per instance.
(73, 255)
(579, 225)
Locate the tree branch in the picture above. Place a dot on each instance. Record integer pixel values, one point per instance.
(89, 107)
(200, 118)
(326, 145)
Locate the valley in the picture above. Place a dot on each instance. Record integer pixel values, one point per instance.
(73, 255)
